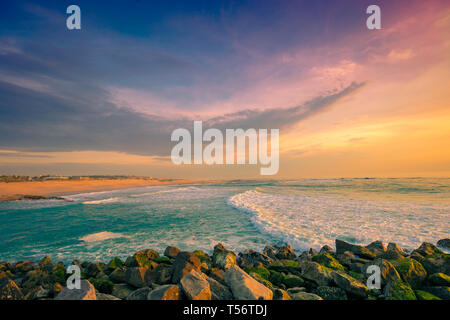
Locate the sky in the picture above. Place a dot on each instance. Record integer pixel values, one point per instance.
(348, 101)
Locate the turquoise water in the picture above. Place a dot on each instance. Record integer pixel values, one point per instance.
(241, 214)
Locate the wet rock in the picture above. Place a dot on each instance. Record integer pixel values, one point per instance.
(285, 252)
(102, 285)
(330, 293)
(122, 291)
(93, 269)
(393, 252)
(24, 266)
(342, 246)
(139, 294)
(195, 286)
(162, 274)
(398, 291)
(9, 290)
(328, 261)
(377, 247)
(165, 292)
(444, 243)
(428, 249)
(327, 249)
(244, 287)
(118, 275)
(171, 252)
(436, 263)
(312, 271)
(136, 277)
(115, 263)
(270, 252)
(439, 279)
(292, 281)
(250, 258)
(86, 292)
(350, 284)
(143, 259)
(183, 264)
(46, 264)
(411, 271)
(35, 278)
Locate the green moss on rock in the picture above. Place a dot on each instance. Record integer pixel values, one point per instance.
(327, 260)
(261, 271)
(423, 295)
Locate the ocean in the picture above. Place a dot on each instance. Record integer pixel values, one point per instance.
(241, 214)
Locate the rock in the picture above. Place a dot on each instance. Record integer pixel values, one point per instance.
(292, 291)
(292, 281)
(377, 247)
(217, 274)
(350, 284)
(202, 256)
(250, 258)
(398, 291)
(24, 266)
(136, 277)
(165, 292)
(93, 269)
(286, 266)
(195, 286)
(171, 252)
(327, 249)
(122, 291)
(46, 264)
(261, 280)
(59, 273)
(104, 296)
(304, 256)
(439, 279)
(436, 263)
(270, 252)
(313, 252)
(305, 296)
(9, 290)
(139, 294)
(35, 278)
(393, 252)
(285, 252)
(411, 271)
(56, 288)
(280, 294)
(143, 259)
(444, 243)
(388, 271)
(423, 295)
(441, 292)
(218, 290)
(316, 273)
(342, 246)
(37, 293)
(222, 258)
(102, 285)
(118, 275)
(244, 287)
(328, 261)
(330, 293)
(184, 263)
(428, 249)
(345, 258)
(86, 292)
(162, 274)
(115, 263)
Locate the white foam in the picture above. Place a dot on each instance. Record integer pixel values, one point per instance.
(101, 201)
(313, 221)
(101, 236)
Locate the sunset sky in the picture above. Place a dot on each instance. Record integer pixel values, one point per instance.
(349, 102)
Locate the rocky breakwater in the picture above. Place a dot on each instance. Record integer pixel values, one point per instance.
(277, 273)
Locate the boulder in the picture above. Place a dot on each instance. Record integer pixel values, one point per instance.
(280, 294)
(327, 249)
(171, 252)
(104, 296)
(411, 271)
(428, 249)
(360, 251)
(350, 284)
(270, 252)
(316, 273)
(305, 296)
(444, 243)
(139, 294)
(218, 290)
(136, 277)
(24, 266)
(285, 252)
(143, 259)
(93, 269)
(395, 290)
(122, 291)
(217, 274)
(103, 285)
(388, 271)
(377, 247)
(86, 292)
(118, 275)
(244, 287)
(162, 274)
(195, 286)
(251, 258)
(423, 295)
(436, 263)
(183, 264)
(165, 292)
(330, 293)
(115, 263)
(439, 279)
(46, 264)
(292, 281)
(35, 278)
(37, 293)
(440, 292)
(223, 258)
(9, 290)
(325, 259)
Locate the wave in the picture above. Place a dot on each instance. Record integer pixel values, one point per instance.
(163, 191)
(101, 201)
(101, 236)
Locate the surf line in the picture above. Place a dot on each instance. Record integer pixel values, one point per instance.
(235, 153)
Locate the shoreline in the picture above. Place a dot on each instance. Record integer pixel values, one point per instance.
(276, 273)
(39, 190)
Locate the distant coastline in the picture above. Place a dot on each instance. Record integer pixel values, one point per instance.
(56, 188)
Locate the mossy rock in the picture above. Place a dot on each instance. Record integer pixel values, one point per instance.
(162, 260)
(399, 291)
(276, 278)
(261, 271)
(411, 271)
(258, 278)
(439, 279)
(286, 266)
(202, 256)
(59, 273)
(293, 281)
(357, 275)
(327, 260)
(423, 295)
(115, 263)
(102, 285)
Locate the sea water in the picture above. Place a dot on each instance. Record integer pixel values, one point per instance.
(241, 214)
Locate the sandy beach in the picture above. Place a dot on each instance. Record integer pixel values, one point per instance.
(16, 190)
